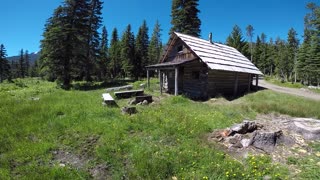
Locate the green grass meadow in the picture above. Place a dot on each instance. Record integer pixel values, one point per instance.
(165, 140)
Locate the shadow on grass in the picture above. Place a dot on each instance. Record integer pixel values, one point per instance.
(239, 95)
(228, 97)
(89, 86)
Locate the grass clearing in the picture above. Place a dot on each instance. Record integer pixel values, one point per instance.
(164, 140)
(284, 84)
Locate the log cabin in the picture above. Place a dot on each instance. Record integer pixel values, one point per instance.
(200, 68)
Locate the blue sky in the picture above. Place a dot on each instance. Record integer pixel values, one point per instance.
(22, 21)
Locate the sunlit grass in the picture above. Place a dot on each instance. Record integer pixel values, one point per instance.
(164, 140)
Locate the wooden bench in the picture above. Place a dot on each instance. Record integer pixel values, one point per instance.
(128, 87)
(108, 99)
(128, 94)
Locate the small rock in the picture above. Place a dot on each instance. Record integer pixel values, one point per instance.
(145, 102)
(318, 163)
(62, 165)
(318, 154)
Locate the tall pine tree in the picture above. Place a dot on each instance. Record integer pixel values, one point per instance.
(92, 36)
(128, 54)
(114, 54)
(71, 41)
(27, 61)
(155, 45)
(293, 45)
(235, 39)
(4, 64)
(22, 65)
(141, 48)
(103, 59)
(250, 33)
(184, 17)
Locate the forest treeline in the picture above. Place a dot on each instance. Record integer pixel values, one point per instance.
(76, 46)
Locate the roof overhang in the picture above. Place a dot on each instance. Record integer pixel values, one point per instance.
(170, 65)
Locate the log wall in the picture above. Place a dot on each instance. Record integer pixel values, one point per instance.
(193, 78)
(223, 82)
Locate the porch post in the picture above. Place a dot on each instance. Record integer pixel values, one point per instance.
(257, 81)
(249, 83)
(176, 81)
(148, 79)
(235, 92)
(160, 79)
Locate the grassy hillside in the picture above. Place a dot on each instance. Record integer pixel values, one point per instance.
(48, 133)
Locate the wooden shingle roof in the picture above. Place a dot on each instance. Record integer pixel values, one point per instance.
(218, 56)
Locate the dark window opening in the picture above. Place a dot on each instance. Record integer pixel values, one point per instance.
(179, 48)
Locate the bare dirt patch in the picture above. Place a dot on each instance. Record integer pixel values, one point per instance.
(83, 160)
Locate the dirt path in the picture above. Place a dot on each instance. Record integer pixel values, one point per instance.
(297, 92)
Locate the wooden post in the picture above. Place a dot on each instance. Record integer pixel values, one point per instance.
(176, 81)
(160, 79)
(257, 81)
(249, 83)
(235, 92)
(148, 79)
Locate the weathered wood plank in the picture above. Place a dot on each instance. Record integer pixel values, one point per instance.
(128, 94)
(108, 99)
(127, 87)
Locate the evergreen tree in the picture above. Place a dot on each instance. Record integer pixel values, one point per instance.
(271, 55)
(92, 36)
(263, 53)
(250, 33)
(308, 55)
(313, 62)
(65, 45)
(128, 54)
(27, 62)
(34, 71)
(282, 59)
(114, 54)
(184, 14)
(235, 39)
(103, 55)
(141, 48)
(257, 53)
(22, 65)
(4, 64)
(155, 45)
(293, 45)
(303, 56)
